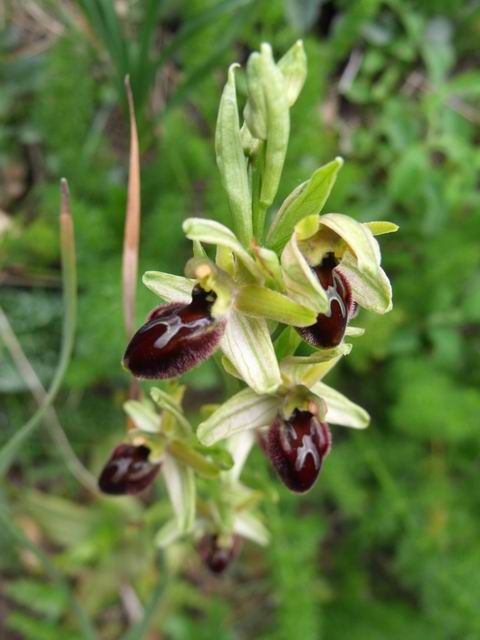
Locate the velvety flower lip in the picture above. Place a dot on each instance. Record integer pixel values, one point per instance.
(216, 556)
(128, 471)
(329, 328)
(297, 447)
(176, 337)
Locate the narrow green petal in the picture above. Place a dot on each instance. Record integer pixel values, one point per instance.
(261, 302)
(170, 288)
(307, 199)
(243, 411)
(180, 483)
(380, 227)
(248, 346)
(341, 410)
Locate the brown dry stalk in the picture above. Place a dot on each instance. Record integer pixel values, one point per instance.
(132, 222)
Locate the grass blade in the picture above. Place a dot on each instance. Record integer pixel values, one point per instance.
(69, 277)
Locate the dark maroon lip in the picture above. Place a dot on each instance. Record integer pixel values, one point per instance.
(128, 471)
(329, 328)
(297, 448)
(175, 338)
(216, 557)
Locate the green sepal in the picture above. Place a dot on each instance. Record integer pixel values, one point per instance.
(143, 415)
(341, 410)
(293, 66)
(169, 287)
(301, 284)
(268, 118)
(248, 345)
(245, 410)
(180, 483)
(215, 233)
(307, 199)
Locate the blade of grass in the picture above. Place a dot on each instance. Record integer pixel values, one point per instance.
(8, 525)
(75, 466)
(132, 223)
(141, 79)
(69, 277)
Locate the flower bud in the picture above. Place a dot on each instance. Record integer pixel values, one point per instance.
(297, 448)
(217, 557)
(329, 328)
(128, 471)
(176, 337)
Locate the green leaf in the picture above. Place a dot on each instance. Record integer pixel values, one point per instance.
(307, 199)
(341, 410)
(247, 344)
(261, 302)
(143, 415)
(180, 483)
(215, 233)
(231, 161)
(293, 66)
(243, 411)
(169, 287)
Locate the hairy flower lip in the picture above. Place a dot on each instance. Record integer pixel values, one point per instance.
(329, 328)
(297, 448)
(128, 470)
(176, 337)
(217, 557)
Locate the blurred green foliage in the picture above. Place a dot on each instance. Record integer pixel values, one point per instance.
(386, 546)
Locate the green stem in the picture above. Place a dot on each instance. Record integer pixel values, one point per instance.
(259, 210)
(69, 277)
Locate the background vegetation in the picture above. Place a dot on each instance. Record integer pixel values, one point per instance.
(386, 545)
